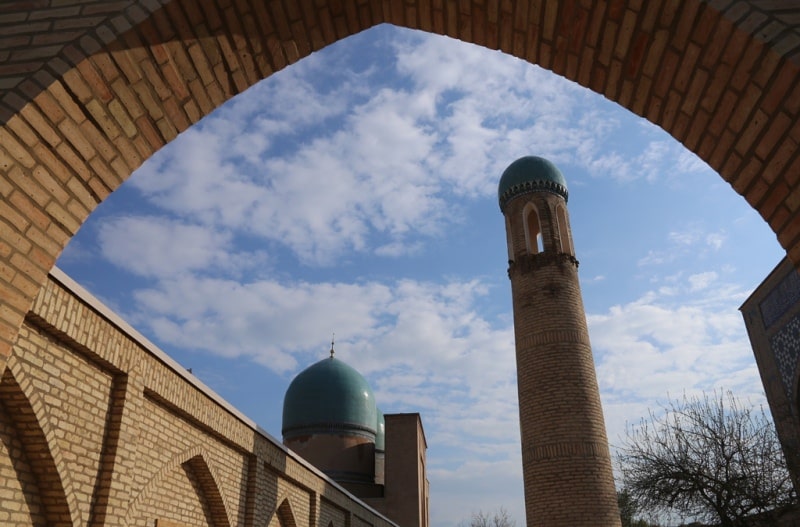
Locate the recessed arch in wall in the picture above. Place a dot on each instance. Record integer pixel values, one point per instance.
(285, 514)
(26, 456)
(192, 465)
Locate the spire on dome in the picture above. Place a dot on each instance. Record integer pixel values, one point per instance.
(332, 338)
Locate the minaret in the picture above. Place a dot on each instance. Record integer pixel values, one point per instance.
(565, 456)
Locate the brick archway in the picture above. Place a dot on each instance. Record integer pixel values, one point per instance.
(92, 89)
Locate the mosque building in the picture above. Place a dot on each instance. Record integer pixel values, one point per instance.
(330, 418)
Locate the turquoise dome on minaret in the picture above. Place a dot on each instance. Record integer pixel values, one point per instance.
(530, 174)
(329, 397)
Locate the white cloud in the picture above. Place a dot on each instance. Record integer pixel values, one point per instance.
(196, 178)
(414, 326)
(690, 240)
(380, 162)
(160, 247)
(688, 338)
(326, 197)
(653, 257)
(701, 280)
(687, 162)
(715, 240)
(267, 321)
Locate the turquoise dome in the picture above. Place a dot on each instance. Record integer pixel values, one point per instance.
(530, 174)
(329, 397)
(380, 438)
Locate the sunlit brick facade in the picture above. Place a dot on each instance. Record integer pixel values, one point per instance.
(99, 427)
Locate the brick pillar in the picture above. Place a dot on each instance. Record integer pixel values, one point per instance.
(566, 461)
(115, 482)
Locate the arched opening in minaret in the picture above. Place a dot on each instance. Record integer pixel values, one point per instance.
(564, 238)
(533, 229)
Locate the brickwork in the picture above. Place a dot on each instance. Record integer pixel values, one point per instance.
(284, 515)
(26, 470)
(347, 459)
(91, 89)
(97, 427)
(406, 492)
(565, 456)
(76, 396)
(332, 515)
(180, 481)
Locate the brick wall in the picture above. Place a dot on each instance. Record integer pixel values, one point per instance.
(98, 427)
(90, 89)
(406, 492)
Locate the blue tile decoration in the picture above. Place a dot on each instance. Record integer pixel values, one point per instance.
(785, 295)
(785, 345)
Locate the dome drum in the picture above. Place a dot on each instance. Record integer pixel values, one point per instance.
(347, 458)
(331, 427)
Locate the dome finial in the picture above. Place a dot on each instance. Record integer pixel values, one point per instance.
(332, 338)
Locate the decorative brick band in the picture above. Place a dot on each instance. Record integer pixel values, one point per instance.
(785, 344)
(781, 299)
(552, 337)
(529, 187)
(585, 449)
(527, 263)
(329, 428)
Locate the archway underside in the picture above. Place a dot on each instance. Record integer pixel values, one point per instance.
(93, 89)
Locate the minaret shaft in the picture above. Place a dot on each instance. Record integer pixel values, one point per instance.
(565, 455)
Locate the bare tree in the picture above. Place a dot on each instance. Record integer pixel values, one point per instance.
(708, 458)
(501, 518)
(629, 511)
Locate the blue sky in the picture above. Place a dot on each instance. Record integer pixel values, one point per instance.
(355, 192)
